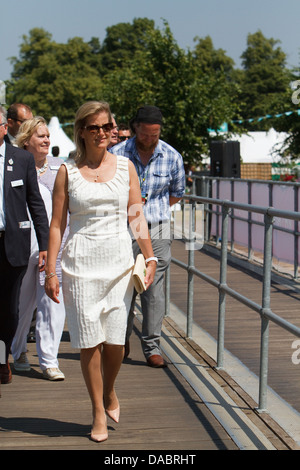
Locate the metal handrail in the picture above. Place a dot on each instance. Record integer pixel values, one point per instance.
(264, 310)
(205, 185)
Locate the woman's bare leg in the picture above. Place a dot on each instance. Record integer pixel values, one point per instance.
(91, 363)
(112, 357)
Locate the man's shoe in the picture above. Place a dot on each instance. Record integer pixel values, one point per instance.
(5, 373)
(156, 361)
(31, 338)
(22, 364)
(53, 374)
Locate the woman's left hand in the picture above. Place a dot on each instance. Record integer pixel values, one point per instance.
(150, 273)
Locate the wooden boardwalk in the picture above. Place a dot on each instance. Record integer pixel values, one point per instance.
(158, 409)
(161, 410)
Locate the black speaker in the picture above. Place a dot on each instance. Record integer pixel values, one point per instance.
(225, 159)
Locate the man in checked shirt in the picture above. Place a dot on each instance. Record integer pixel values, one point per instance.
(162, 180)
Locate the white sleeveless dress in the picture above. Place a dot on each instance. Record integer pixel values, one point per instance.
(97, 259)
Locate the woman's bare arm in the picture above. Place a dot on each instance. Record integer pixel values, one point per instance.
(57, 228)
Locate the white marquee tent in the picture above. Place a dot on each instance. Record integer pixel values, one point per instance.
(259, 147)
(59, 138)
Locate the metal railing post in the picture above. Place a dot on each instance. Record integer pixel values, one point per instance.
(250, 250)
(222, 295)
(296, 237)
(167, 290)
(266, 294)
(191, 264)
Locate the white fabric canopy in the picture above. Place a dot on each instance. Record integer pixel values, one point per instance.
(59, 138)
(259, 147)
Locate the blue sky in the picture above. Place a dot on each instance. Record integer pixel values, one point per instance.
(228, 22)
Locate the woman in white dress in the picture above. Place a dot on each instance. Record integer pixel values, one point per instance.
(102, 194)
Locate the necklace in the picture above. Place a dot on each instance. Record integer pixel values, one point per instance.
(42, 169)
(91, 164)
(96, 176)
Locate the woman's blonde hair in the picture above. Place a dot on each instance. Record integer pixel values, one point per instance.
(87, 109)
(27, 129)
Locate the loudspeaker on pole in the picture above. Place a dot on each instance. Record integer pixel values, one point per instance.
(225, 159)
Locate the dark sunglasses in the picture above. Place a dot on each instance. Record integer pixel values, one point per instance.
(94, 129)
(19, 120)
(123, 137)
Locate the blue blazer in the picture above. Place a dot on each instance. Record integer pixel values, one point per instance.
(21, 190)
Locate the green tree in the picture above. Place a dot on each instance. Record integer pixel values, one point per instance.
(289, 121)
(165, 75)
(264, 81)
(54, 79)
(211, 59)
(123, 40)
(137, 64)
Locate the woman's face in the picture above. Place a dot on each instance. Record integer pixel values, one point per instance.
(39, 142)
(97, 131)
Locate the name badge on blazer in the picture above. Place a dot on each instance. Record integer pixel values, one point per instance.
(17, 183)
(25, 224)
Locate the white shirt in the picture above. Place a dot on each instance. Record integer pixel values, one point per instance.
(12, 139)
(2, 206)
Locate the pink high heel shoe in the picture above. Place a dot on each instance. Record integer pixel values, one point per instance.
(99, 437)
(114, 414)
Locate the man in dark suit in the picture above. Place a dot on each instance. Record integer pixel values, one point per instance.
(18, 191)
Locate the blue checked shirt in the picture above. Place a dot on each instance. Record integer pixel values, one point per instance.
(162, 177)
